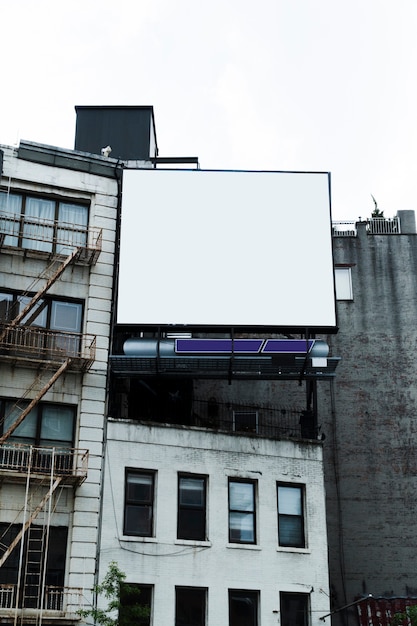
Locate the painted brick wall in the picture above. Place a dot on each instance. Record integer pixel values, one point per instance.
(164, 562)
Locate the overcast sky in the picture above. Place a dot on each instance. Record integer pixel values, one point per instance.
(327, 85)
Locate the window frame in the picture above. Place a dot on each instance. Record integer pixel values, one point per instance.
(24, 221)
(183, 509)
(149, 504)
(47, 304)
(287, 616)
(142, 588)
(40, 413)
(236, 594)
(343, 286)
(248, 427)
(55, 565)
(197, 591)
(242, 512)
(301, 488)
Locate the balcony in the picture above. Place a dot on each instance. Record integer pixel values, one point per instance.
(57, 603)
(40, 237)
(265, 421)
(271, 422)
(17, 459)
(31, 346)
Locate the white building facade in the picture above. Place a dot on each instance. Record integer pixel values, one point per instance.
(57, 225)
(216, 528)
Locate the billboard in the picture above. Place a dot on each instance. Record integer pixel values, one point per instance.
(226, 248)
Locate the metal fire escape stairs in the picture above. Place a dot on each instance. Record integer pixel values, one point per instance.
(56, 274)
(31, 591)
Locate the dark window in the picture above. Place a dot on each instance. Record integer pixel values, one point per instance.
(245, 421)
(294, 609)
(191, 507)
(42, 224)
(47, 424)
(243, 608)
(242, 522)
(190, 606)
(34, 552)
(135, 605)
(291, 516)
(139, 503)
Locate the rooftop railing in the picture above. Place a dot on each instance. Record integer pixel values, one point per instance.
(266, 421)
(383, 226)
(240, 419)
(374, 226)
(344, 229)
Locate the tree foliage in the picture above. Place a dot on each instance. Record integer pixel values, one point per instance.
(376, 212)
(406, 618)
(123, 606)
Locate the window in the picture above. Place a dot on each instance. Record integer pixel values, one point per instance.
(242, 511)
(46, 424)
(139, 503)
(33, 564)
(243, 608)
(135, 604)
(55, 314)
(42, 224)
(245, 421)
(290, 516)
(343, 282)
(191, 507)
(294, 609)
(190, 606)
(63, 317)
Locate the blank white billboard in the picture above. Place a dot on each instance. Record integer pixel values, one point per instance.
(226, 248)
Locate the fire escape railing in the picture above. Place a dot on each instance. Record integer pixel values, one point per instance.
(19, 457)
(67, 600)
(40, 345)
(50, 236)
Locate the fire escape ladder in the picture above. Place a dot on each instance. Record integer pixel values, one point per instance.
(35, 401)
(57, 481)
(33, 572)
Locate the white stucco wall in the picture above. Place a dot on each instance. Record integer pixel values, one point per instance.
(164, 561)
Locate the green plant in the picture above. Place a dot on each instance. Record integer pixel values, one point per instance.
(123, 606)
(407, 617)
(376, 212)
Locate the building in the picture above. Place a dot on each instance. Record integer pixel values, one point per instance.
(214, 526)
(198, 466)
(369, 418)
(58, 224)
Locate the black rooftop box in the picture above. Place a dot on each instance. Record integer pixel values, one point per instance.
(128, 130)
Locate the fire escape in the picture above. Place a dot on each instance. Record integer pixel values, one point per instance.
(42, 470)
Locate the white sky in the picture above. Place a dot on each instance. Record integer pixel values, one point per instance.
(327, 85)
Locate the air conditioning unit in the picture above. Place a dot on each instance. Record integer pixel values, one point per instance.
(245, 421)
